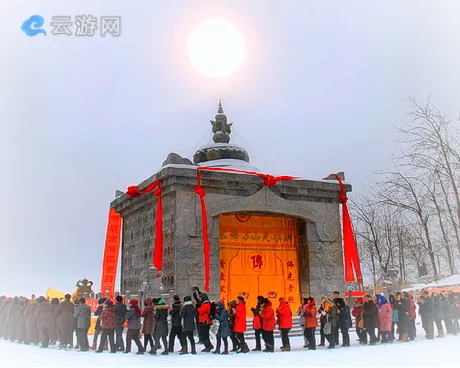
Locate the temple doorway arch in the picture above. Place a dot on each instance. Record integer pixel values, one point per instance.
(259, 255)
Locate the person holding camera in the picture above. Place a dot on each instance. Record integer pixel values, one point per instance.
(196, 293)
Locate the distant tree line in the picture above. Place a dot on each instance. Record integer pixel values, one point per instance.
(408, 223)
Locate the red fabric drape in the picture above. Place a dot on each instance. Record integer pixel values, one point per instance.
(206, 248)
(111, 253)
(158, 250)
(155, 187)
(350, 249)
(269, 181)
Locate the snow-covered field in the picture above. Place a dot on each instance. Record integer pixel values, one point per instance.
(420, 353)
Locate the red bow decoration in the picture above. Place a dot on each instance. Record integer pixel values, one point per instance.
(350, 248)
(269, 181)
(155, 187)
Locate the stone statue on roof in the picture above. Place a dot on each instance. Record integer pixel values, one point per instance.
(220, 127)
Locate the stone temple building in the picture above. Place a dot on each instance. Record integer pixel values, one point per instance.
(276, 241)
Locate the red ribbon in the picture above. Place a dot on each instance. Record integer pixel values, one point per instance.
(350, 249)
(269, 181)
(206, 248)
(155, 187)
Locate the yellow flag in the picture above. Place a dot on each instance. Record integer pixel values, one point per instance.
(53, 293)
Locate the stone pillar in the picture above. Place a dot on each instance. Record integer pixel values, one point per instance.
(326, 264)
(304, 265)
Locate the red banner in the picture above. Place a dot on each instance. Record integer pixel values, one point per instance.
(111, 253)
(350, 249)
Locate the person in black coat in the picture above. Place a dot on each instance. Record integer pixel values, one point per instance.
(196, 293)
(370, 318)
(447, 311)
(120, 312)
(187, 314)
(438, 313)
(427, 313)
(403, 307)
(176, 324)
(344, 320)
(161, 326)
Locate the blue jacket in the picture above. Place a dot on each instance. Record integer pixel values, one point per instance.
(222, 317)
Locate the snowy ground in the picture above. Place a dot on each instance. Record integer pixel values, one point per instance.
(420, 353)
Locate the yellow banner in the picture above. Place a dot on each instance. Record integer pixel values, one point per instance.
(53, 293)
(259, 256)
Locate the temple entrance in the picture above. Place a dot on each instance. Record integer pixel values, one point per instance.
(259, 256)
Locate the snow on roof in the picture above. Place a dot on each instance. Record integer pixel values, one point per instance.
(231, 163)
(235, 164)
(452, 280)
(220, 145)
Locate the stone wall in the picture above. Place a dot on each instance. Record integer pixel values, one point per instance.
(138, 237)
(314, 202)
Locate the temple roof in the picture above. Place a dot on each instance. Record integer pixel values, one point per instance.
(222, 153)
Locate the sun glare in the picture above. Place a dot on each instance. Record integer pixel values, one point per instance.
(216, 48)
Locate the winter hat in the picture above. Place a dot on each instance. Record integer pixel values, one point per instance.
(108, 302)
(382, 300)
(220, 305)
(134, 302)
(187, 298)
(161, 301)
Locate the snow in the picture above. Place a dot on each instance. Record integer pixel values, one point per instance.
(231, 163)
(420, 353)
(220, 145)
(453, 280)
(448, 281)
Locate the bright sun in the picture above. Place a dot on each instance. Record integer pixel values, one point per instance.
(216, 48)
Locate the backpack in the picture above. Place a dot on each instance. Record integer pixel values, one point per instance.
(212, 314)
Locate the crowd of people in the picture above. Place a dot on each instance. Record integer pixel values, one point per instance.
(377, 319)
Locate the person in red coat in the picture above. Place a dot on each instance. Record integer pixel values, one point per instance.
(412, 316)
(239, 326)
(267, 315)
(205, 322)
(108, 324)
(257, 323)
(284, 316)
(311, 322)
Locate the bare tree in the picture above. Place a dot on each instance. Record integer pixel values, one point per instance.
(410, 194)
(431, 147)
(442, 227)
